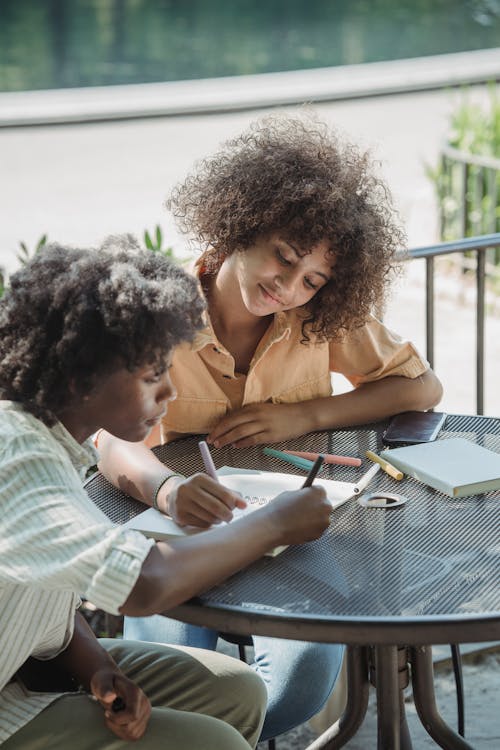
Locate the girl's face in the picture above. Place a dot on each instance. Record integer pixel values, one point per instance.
(129, 404)
(275, 274)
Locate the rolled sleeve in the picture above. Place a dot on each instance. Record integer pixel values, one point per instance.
(115, 578)
(374, 352)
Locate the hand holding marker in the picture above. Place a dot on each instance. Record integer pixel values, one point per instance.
(118, 705)
(207, 460)
(212, 473)
(313, 471)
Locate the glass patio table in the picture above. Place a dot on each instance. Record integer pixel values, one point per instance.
(387, 582)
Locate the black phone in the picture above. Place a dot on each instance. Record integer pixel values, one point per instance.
(411, 427)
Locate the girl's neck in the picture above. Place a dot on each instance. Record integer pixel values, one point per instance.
(226, 308)
(238, 330)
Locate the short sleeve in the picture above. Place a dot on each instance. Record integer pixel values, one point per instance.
(373, 352)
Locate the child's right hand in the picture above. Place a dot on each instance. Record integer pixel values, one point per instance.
(130, 719)
(301, 515)
(200, 501)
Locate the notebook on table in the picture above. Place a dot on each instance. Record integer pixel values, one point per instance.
(256, 487)
(455, 466)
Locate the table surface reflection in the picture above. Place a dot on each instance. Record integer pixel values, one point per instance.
(424, 572)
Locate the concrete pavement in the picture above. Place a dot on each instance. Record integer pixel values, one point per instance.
(482, 722)
(80, 182)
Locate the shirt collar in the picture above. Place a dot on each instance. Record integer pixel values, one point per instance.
(82, 455)
(281, 327)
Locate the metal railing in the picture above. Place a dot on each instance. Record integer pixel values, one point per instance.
(469, 188)
(478, 245)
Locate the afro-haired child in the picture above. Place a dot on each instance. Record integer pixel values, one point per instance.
(86, 341)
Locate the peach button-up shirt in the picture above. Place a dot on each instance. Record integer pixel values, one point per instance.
(283, 370)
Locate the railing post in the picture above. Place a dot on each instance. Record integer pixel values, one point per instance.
(480, 305)
(464, 200)
(480, 245)
(429, 309)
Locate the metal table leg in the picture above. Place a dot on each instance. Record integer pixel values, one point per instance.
(389, 673)
(425, 701)
(391, 677)
(358, 686)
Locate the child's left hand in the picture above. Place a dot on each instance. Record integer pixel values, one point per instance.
(256, 424)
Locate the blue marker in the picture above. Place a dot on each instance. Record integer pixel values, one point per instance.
(299, 463)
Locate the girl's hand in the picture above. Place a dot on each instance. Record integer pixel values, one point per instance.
(256, 424)
(129, 717)
(199, 501)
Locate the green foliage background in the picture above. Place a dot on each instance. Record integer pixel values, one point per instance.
(65, 43)
(468, 195)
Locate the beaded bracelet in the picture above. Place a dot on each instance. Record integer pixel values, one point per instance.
(160, 485)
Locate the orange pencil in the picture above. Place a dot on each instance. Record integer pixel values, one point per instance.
(329, 458)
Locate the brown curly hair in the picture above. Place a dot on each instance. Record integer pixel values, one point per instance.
(300, 179)
(72, 315)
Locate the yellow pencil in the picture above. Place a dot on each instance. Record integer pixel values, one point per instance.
(386, 466)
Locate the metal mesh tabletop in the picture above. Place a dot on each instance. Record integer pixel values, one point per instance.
(430, 566)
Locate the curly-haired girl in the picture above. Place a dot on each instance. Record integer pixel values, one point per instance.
(299, 242)
(86, 340)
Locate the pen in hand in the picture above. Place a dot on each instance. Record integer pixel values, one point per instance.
(314, 471)
(118, 705)
(207, 460)
(212, 473)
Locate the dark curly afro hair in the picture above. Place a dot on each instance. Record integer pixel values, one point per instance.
(71, 315)
(295, 177)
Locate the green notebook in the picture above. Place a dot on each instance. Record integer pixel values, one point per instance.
(455, 466)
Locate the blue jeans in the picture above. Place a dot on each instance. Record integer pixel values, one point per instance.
(299, 676)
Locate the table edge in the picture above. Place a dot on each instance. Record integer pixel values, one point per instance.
(425, 630)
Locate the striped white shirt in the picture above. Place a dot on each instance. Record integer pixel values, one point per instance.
(54, 546)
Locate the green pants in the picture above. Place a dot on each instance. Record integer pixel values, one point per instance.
(201, 700)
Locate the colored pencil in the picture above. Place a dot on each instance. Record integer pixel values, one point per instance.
(330, 458)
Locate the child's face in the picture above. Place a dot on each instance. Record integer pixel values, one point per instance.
(275, 274)
(130, 404)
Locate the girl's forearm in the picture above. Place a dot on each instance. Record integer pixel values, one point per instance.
(373, 401)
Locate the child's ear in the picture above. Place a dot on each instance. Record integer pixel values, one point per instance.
(79, 389)
(72, 387)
